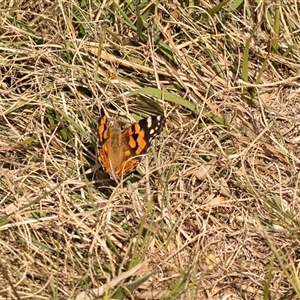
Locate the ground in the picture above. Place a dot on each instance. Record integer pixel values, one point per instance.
(212, 210)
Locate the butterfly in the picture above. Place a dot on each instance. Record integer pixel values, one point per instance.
(119, 151)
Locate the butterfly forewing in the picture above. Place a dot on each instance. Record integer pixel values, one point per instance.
(140, 135)
(103, 129)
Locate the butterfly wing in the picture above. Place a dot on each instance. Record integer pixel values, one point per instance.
(103, 143)
(139, 136)
(103, 129)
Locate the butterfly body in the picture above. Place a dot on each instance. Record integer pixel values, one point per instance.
(119, 149)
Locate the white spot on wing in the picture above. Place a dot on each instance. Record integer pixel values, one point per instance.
(149, 122)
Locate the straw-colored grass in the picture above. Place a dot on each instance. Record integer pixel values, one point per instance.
(212, 211)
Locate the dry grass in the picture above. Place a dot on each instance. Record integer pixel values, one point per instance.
(213, 210)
